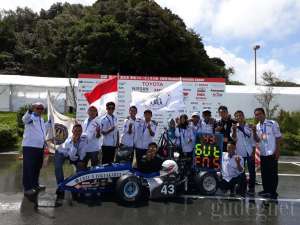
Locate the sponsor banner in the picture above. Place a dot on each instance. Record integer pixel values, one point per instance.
(199, 94)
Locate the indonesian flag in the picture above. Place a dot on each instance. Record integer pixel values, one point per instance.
(106, 91)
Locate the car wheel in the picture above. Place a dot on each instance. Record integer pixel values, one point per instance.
(129, 189)
(206, 183)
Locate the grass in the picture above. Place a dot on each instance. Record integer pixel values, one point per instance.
(8, 118)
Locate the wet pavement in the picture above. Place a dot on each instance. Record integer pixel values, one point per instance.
(15, 209)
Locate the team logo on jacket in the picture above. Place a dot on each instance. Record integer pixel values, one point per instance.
(61, 133)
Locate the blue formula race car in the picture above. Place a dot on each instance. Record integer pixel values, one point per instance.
(129, 185)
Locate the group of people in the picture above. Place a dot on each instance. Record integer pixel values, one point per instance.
(240, 140)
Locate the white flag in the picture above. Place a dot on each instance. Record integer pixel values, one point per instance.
(61, 126)
(168, 99)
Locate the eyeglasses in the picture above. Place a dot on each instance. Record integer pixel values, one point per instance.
(110, 107)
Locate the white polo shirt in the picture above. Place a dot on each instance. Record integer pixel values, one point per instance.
(143, 137)
(229, 166)
(267, 132)
(73, 151)
(207, 128)
(244, 141)
(34, 131)
(183, 136)
(128, 139)
(107, 122)
(196, 128)
(89, 131)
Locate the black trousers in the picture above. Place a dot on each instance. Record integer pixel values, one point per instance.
(251, 168)
(269, 173)
(32, 164)
(93, 156)
(239, 180)
(108, 154)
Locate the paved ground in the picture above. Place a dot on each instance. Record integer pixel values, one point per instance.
(14, 209)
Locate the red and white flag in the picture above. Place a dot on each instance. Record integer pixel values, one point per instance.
(106, 91)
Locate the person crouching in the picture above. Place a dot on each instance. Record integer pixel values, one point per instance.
(73, 149)
(233, 171)
(150, 162)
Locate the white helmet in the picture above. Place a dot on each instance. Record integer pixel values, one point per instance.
(168, 167)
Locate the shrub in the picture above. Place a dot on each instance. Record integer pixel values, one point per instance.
(290, 144)
(20, 114)
(8, 137)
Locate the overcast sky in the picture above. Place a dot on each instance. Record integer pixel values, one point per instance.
(230, 28)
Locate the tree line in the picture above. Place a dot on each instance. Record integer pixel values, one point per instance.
(109, 37)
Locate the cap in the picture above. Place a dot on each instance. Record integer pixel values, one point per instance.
(195, 114)
(38, 104)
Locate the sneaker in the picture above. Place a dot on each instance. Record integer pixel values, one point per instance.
(60, 195)
(265, 195)
(30, 192)
(41, 187)
(261, 193)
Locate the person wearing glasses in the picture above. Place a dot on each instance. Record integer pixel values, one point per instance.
(109, 130)
(34, 142)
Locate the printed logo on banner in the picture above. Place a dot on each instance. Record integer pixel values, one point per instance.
(61, 133)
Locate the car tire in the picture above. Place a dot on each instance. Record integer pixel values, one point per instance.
(206, 183)
(129, 189)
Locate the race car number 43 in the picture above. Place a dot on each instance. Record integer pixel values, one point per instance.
(168, 189)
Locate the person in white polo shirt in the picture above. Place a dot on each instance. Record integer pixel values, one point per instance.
(233, 171)
(268, 136)
(109, 130)
(91, 131)
(34, 142)
(127, 139)
(208, 123)
(185, 136)
(195, 123)
(242, 134)
(145, 131)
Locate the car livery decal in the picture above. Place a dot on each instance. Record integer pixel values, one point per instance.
(99, 175)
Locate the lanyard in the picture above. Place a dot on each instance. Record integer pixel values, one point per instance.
(263, 128)
(88, 123)
(144, 127)
(242, 129)
(41, 128)
(111, 123)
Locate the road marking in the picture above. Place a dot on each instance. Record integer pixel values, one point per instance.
(10, 206)
(287, 162)
(240, 198)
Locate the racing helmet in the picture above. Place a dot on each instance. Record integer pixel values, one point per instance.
(168, 167)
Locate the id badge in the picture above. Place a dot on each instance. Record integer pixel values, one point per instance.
(264, 136)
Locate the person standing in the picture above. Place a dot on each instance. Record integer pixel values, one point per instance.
(34, 142)
(109, 130)
(145, 132)
(91, 130)
(185, 136)
(242, 134)
(196, 123)
(224, 125)
(127, 139)
(208, 123)
(268, 136)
